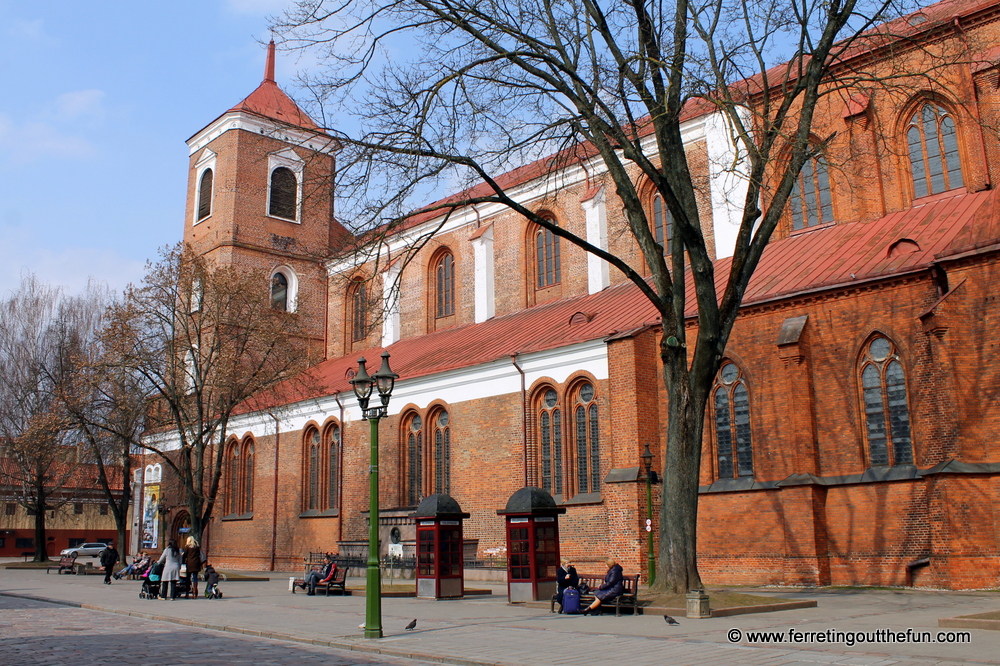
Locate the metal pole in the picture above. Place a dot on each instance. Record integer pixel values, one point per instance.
(373, 588)
(651, 557)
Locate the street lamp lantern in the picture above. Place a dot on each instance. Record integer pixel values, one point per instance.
(647, 460)
(384, 381)
(647, 464)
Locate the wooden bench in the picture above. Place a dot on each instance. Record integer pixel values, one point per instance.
(67, 564)
(338, 582)
(627, 599)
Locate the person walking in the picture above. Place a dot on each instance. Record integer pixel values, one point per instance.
(109, 558)
(193, 559)
(171, 560)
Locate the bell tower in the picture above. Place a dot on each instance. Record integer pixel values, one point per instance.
(260, 195)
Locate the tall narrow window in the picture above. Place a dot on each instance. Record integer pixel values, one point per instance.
(248, 478)
(312, 473)
(810, 200)
(663, 223)
(547, 266)
(550, 442)
(732, 423)
(935, 162)
(283, 194)
(445, 285)
(442, 453)
(414, 460)
(232, 497)
(588, 458)
(333, 467)
(359, 312)
(887, 417)
(279, 292)
(205, 195)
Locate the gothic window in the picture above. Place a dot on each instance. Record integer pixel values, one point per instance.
(887, 417)
(547, 260)
(205, 195)
(444, 281)
(359, 311)
(663, 223)
(810, 200)
(247, 477)
(312, 471)
(282, 201)
(587, 435)
(414, 438)
(233, 486)
(333, 467)
(442, 453)
(550, 441)
(932, 140)
(279, 292)
(731, 401)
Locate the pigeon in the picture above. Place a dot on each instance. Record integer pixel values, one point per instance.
(411, 625)
(361, 626)
(669, 620)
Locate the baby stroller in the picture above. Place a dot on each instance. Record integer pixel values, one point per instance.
(151, 582)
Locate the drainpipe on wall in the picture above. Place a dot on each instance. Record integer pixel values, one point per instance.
(340, 470)
(524, 418)
(274, 503)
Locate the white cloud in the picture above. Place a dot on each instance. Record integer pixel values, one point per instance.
(27, 142)
(86, 104)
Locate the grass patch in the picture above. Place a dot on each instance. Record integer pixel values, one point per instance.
(991, 615)
(718, 599)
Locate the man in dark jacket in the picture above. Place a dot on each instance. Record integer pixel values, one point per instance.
(321, 575)
(109, 558)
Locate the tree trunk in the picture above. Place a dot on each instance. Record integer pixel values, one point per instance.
(41, 555)
(677, 560)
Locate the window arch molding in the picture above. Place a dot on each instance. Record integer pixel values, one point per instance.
(658, 217)
(231, 473)
(284, 197)
(929, 129)
(544, 260)
(884, 401)
(412, 438)
(437, 447)
(202, 190)
(441, 277)
(284, 289)
(248, 473)
(730, 410)
(357, 310)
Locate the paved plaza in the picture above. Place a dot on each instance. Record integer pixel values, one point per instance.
(47, 619)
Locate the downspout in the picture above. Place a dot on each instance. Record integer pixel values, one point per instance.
(340, 472)
(274, 502)
(524, 418)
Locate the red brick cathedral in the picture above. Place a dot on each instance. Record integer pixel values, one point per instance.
(851, 437)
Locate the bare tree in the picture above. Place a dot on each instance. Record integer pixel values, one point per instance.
(38, 457)
(207, 343)
(461, 91)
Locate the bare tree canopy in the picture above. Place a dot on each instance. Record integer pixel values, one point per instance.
(205, 341)
(459, 92)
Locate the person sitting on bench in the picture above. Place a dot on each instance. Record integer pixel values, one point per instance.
(324, 575)
(613, 586)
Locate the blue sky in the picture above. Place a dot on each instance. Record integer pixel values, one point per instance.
(97, 100)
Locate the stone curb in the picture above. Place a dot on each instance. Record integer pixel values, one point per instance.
(969, 623)
(340, 645)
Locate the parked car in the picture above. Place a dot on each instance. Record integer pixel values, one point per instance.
(84, 549)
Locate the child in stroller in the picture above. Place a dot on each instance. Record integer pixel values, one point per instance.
(151, 582)
(212, 590)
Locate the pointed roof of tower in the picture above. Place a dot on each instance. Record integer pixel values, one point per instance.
(270, 101)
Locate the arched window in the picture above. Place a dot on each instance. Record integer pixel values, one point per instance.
(810, 200)
(732, 422)
(333, 467)
(887, 417)
(663, 223)
(279, 292)
(232, 497)
(587, 436)
(205, 195)
(283, 199)
(414, 437)
(312, 471)
(247, 477)
(932, 139)
(442, 453)
(550, 441)
(547, 260)
(444, 280)
(359, 311)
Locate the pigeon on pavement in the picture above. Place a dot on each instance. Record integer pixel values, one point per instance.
(669, 620)
(411, 625)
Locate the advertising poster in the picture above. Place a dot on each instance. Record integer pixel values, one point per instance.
(150, 521)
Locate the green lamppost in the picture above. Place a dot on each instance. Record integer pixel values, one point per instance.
(647, 463)
(383, 381)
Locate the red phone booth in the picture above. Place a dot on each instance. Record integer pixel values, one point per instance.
(440, 574)
(532, 544)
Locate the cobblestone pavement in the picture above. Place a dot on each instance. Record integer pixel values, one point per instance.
(34, 633)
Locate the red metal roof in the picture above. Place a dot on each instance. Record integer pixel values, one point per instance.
(270, 101)
(823, 258)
